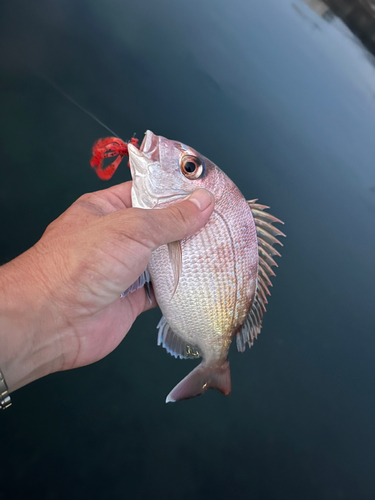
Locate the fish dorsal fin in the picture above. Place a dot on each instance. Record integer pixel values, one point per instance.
(267, 237)
(174, 344)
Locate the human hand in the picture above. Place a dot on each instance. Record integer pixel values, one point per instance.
(60, 304)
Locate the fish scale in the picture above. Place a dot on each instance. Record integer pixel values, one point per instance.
(206, 296)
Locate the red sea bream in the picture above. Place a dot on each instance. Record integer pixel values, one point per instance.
(211, 287)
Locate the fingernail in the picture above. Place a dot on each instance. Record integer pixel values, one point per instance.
(201, 198)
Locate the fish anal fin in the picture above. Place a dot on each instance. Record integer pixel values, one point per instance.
(175, 255)
(203, 377)
(173, 344)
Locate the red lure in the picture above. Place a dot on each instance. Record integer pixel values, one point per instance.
(107, 148)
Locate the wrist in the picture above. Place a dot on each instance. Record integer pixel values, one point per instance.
(31, 333)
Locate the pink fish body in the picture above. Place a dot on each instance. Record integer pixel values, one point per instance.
(212, 286)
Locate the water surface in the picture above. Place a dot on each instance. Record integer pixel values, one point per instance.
(284, 102)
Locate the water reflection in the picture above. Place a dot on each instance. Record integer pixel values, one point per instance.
(358, 15)
(319, 7)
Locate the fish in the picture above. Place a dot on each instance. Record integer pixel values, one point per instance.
(211, 287)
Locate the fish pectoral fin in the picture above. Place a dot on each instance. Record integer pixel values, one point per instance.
(172, 343)
(175, 256)
(144, 279)
(203, 377)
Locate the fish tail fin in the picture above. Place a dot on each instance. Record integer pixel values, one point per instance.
(203, 377)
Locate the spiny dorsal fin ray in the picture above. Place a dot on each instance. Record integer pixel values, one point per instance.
(174, 344)
(267, 247)
(267, 226)
(267, 237)
(266, 267)
(261, 215)
(266, 257)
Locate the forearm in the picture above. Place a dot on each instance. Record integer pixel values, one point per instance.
(30, 339)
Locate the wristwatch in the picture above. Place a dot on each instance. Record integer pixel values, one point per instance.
(5, 400)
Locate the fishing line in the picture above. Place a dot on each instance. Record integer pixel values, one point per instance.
(108, 147)
(67, 96)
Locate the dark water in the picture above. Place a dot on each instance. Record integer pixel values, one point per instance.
(284, 102)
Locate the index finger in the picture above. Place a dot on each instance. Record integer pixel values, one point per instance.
(119, 195)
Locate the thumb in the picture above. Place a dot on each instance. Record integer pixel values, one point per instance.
(137, 232)
(179, 220)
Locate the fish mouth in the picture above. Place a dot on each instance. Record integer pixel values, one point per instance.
(148, 152)
(150, 145)
(140, 161)
(144, 165)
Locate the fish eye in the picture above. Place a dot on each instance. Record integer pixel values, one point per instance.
(191, 167)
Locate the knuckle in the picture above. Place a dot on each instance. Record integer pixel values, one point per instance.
(180, 215)
(90, 203)
(85, 197)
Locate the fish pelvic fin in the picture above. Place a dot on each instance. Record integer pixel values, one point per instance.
(143, 280)
(203, 377)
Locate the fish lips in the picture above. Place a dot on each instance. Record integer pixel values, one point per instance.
(141, 158)
(150, 145)
(139, 163)
(148, 189)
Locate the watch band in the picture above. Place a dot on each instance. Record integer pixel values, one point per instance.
(5, 400)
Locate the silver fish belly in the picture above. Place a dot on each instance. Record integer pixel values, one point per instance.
(224, 268)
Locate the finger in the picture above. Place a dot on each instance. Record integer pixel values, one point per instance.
(176, 222)
(140, 301)
(119, 194)
(106, 201)
(183, 219)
